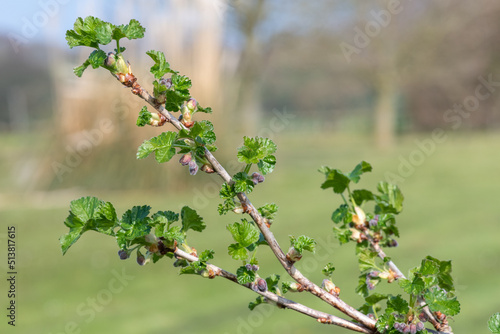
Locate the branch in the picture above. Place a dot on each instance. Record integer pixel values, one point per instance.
(278, 300)
(441, 327)
(258, 219)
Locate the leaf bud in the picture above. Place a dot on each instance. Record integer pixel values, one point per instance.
(193, 167)
(166, 82)
(329, 286)
(207, 169)
(293, 255)
(238, 210)
(123, 254)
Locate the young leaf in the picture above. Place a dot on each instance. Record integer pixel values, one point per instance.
(244, 232)
(375, 298)
(272, 283)
(161, 66)
(438, 300)
(268, 211)
(391, 200)
(243, 183)
(144, 117)
(259, 151)
(362, 195)
(179, 92)
(328, 270)
(202, 132)
(165, 217)
(85, 32)
(207, 110)
(303, 243)
(207, 255)
(259, 300)
(360, 169)
(238, 252)
(339, 214)
(398, 304)
(161, 145)
(191, 220)
(494, 323)
(245, 275)
(337, 180)
(133, 30)
(414, 287)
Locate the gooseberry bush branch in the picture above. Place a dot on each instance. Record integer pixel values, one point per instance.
(428, 290)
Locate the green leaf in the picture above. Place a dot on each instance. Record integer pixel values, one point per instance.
(136, 214)
(360, 169)
(244, 275)
(391, 200)
(243, 183)
(375, 298)
(273, 282)
(366, 259)
(303, 243)
(133, 30)
(238, 252)
(70, 238)
(144, 117)
(161, 66)
(494, 323)
(445, 281)
(429, 267)
(179, 92)
(438, 300)
(80, 69)
(339, 214)
(207, 255)
(267, 164)
(85, 33)
(362, 195)
(268, 211)
(244, 232)
(161, 145)
(166, 217)
(259, 300)
(398, 304)
(86, 208)
(256, 149)
(191, 220)
(414, 287)
(96, 58)
(202, 132)
(343, 235)
(337, 180)
(207, 110)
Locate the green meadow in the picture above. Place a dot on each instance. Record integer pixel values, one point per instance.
(451, 211)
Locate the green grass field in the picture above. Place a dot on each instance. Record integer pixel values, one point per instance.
(451, 212)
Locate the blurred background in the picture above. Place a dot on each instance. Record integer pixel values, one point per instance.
(412, 87)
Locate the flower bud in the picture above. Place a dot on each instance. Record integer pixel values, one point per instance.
(261, 284)
(257, 178)
(110, 61)
(192, 105)
(166, 82)
(413, 329)
(123, 254)
(185, 159)
(193, 167)
(420, 326)
(360, 217)
(406, 329)
(392, 243)
(141, 259)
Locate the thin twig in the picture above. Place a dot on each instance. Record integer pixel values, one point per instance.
(259, 220)
(278, 300)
